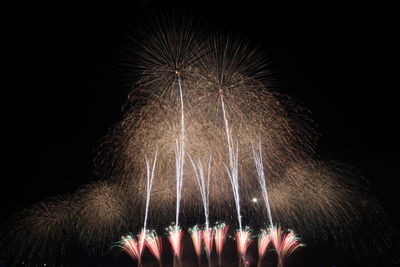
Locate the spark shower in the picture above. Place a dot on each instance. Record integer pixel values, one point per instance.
(203, 134)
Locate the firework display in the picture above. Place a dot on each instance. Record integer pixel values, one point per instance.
(220, 137)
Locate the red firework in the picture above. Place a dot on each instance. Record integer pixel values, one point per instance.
(219, 238)
(175, 239)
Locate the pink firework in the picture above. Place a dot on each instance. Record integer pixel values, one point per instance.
(243, 240)
(219, 237)
(208, 236)
(175, 239)
(264, 242)
(154, 243)
(195, 234)
(130, 245)
(284, 242)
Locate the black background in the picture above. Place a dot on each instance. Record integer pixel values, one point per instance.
(61, 92)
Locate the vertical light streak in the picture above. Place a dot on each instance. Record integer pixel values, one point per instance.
(233, 164)
(261, 180)
(180, 154)
(149, 185)
(204, 186)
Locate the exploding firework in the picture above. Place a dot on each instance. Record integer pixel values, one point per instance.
(224, 70)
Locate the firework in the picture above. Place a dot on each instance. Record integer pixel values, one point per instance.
(101, 215)
(195, 234)
(175, 235)
(154, 243)
(130, 245)
(150, 177)
(284, 243)
(208, 235)
(220, 231)
(264, 242)
(243, 240)
(261, 180)
(43, 231)
(204, 186)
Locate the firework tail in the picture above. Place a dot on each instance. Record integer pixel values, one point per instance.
(154, 243)
(180, 154)
(243, 240)
(149, 184)
(219, 238)
(261, 179)
(204, 185)
(195, 234)
(233, 164)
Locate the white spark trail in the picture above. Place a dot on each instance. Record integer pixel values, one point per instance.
(233, 164)
(149, 185)
(204, 185)
(180, 154)
(261, 179)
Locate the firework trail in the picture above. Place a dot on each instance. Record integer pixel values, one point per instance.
(154, 243)
(149, 185)
(175, 235)
(243, 240)
(204, 186)
(284, 243)
(233, 164)
(195, 234)
(261, 180)
(220, 231)
(264, 242)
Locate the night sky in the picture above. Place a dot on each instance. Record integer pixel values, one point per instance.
(61, 91)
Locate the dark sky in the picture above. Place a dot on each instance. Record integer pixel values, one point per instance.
(61, 91)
